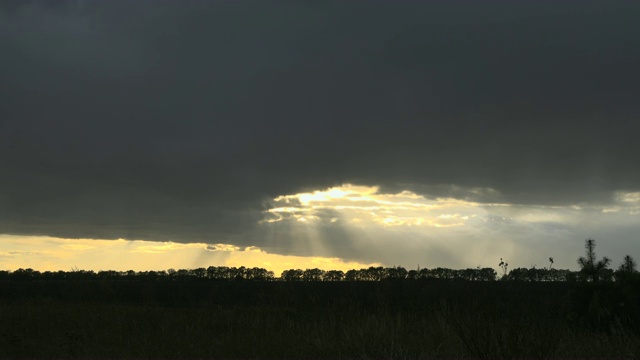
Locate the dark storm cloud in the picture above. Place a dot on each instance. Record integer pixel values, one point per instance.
(180, 120)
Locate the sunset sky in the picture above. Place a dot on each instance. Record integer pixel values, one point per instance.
(157, 134)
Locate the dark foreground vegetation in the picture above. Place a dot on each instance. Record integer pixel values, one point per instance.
(82, 314)
(366, 319)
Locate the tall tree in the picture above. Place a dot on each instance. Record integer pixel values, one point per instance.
(589, 266)
(628, 264)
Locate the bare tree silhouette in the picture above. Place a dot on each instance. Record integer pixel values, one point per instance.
(504, 265)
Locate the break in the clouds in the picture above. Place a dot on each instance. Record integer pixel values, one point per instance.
(359, 222)
(182, 121)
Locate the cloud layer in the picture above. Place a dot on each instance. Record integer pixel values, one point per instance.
(182, 121)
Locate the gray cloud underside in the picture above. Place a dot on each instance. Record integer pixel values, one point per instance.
(179, 120)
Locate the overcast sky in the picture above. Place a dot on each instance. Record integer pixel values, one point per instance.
(440, 133)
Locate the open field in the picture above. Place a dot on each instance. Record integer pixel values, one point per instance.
(244, 319)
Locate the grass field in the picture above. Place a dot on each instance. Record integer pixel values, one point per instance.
(399, 320)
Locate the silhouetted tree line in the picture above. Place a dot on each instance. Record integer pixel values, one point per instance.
(258, 274)
(390, 273)
(533, 274)
(591, 270)
(210, 273)
(367, 274)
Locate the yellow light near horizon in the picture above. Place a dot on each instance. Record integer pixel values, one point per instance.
(52, 254)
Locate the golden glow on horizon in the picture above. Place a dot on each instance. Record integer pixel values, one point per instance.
(52, 254)
(161, 248)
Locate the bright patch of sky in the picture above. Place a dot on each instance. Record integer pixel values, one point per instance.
(353, 226)
(407, 228)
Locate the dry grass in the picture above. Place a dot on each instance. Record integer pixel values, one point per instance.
(48, 328)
